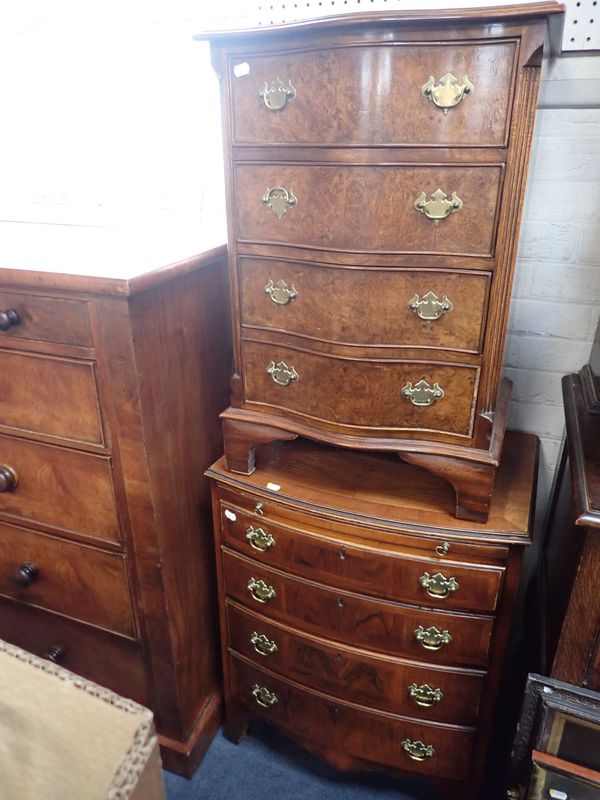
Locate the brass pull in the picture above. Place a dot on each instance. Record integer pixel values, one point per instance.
(259, 538)
(260, 591)
(438, 585)
(430, 307)
(442, 549)
(448, 92)
(281, 373)
(424, 695)
(9, 480)
(279, 199)
(263, 645)
(438, 206)
(276, 94)
(418, 751)
(259, 509)
(9, 318)
(280, 292)
(263, 696)
(432, 638)
(422, 394)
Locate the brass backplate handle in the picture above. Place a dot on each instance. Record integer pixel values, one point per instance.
(281, 373)
(276, 94)
(438, 206)
(448, 92)
(279, 199)
(432, 638)
(259, 538)
(429, 307)
(260, 591)
(422, 394)
(424, 695)
(262, 644)
(280, 293)
(438, 585)
(418, 751)
(263, 696)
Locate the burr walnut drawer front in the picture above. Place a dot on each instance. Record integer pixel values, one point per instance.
(442, 309)
(434, 94)
(45, 319)
(435, 209)
(390, 684)
(385, 396)
(391, 574)
(425, 748)
(402, 630)
(65, 490)
(109, 660)
(47, 396)
(71, 579)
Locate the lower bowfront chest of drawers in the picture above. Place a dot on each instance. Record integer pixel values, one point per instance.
(368, 624)
(110, 391)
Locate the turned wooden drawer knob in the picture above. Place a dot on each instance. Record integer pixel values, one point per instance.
(9, 480)
(55, 653)
(8, 319)
(26, 574)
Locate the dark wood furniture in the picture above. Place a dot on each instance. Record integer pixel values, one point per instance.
(375, 168)
(359, 615)
(110, 391)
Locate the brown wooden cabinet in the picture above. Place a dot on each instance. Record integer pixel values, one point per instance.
(110, 391)
(376, 168)
(359, 615)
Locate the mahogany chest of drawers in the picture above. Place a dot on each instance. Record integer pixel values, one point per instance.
(375, 167)
(368, 624)
(110, 392)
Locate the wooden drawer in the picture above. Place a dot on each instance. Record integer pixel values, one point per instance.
(66, 490)
(372, 306)
(369, 208)
(331, 106)
(357, 619)
(72, 579)
(360, 732)
(393, 575)
(356, 675)
(109, 660)
(47, 319)
(49, 396)
(359, 392)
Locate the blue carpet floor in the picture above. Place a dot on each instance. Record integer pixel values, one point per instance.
(266, 766)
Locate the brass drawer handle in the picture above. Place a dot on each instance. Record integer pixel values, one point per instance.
(424, 695)
(438, 206)
(438, 585)
(27, 574)
(280, 293)
(430, 307)
(9, 480)
(276, 94)
(418, 751)
(263, 645)
(263, 696)
(442, 549)
(281, 373)
(448, 92)
(279, 199)
(422, 394)
(259, 538)
(9, 318)
(432, 638)
(260, 591)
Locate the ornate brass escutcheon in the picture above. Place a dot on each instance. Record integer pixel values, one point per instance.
(422, 394)
(438, 206)
(432, 638)
(281, 373)
(438, 585)
(418, 751)
(263, 696)
(263, 645)
(259, 538)
(279, 199)
(448, 92)
(424, 695)
(430, 307)
(260, 591)
(276, 94)
(280, 292)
